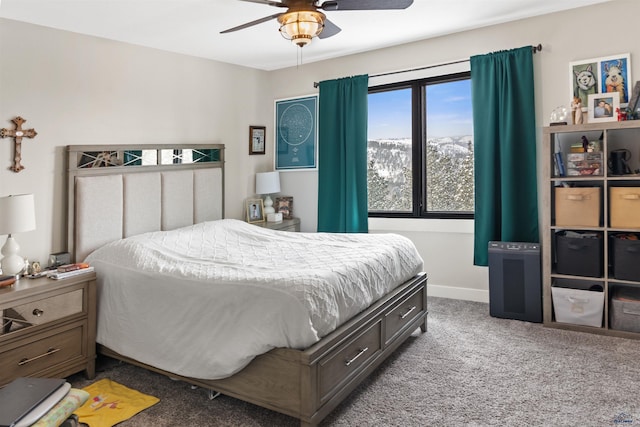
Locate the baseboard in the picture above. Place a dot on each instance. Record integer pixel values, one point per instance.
(467, 294)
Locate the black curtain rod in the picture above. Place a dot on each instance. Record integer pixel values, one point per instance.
(535, 49)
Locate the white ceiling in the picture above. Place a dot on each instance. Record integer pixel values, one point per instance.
(192, 27)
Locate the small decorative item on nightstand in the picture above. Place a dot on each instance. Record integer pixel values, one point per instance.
(284, 205)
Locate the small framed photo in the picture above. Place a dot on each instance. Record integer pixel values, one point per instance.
(257, 139)
(603, 107)
(284, 205)
(255, 210)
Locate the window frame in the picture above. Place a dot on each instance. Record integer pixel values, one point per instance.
(418, 146)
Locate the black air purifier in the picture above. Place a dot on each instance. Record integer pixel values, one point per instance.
(515, 290)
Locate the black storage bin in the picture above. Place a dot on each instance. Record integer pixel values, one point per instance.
(626, 257)
(579, 254)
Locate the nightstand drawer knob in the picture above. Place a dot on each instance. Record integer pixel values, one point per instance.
(48, 353)
(37, 312)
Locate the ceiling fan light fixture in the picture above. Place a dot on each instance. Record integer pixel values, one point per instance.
(301, 26)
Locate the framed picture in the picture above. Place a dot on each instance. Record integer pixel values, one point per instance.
(257, 139)
(284, 205)
(603, 107)
(296, 133)
(600, 75)
(255, 210)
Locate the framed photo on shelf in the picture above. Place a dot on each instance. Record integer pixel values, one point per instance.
(601, 75)
(603, 107)
(255, 210)
(296, 133)
(284, 205)
(257, 141)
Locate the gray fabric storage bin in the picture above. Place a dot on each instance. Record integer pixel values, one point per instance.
(579, 255)
(626, 258)
(625, 309)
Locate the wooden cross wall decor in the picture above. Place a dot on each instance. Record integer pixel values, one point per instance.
(17, 134)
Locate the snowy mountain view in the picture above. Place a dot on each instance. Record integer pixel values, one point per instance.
(449, 174)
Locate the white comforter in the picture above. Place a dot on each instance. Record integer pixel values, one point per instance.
(203, 301)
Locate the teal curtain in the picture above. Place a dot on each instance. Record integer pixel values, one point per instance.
(342, 155)
(506, 201)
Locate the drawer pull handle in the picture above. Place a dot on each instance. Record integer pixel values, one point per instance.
(48, 353)
(353, 359)
(37, 312)
(402, 316)
(631, 196)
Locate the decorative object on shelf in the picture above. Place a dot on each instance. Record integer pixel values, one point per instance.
(268, 183)
(257, 139)
(559, 116)
(610, 74)
(619, 161)
(632, 107)
(17, 134)
(576, 111)
(284, 205)
(255, 210)
(601, 107)
(17, 214)
(296, 133)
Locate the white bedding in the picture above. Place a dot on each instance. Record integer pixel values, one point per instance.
(202, 301)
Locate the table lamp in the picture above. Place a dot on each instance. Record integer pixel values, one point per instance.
(17, 214)
(268, 183)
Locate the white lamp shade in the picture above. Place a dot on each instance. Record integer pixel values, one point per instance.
(267, 182)
(17, 214)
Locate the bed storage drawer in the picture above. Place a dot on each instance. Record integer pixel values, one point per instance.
(403, 314)
(41, 352)
(342, 364)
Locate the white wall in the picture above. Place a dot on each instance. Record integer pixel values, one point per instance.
(76, 89)
(447, 246)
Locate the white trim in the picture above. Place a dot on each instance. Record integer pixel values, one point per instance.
(464, 226)
(467, 294)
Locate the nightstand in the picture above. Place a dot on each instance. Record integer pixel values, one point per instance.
(48, 328)
(284, 225)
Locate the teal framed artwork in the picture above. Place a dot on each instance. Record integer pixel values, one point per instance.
(296, 131)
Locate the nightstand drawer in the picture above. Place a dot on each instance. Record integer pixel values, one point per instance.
(42, 352)
(49, 309)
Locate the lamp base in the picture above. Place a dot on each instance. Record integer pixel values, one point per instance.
(12, 263)
(268, 206)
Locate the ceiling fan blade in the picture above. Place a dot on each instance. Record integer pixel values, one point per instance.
(365, 4)
(269, 2)
(330, 29)
(251, 24)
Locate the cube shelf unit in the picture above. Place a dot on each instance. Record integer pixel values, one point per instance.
(612, 136)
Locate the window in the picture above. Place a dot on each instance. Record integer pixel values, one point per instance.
(420, 148)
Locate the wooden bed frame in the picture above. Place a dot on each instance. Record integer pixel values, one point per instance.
(305, 384)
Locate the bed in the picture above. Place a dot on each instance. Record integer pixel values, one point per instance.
(131, 208)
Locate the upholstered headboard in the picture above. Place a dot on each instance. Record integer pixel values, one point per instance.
(118, 191)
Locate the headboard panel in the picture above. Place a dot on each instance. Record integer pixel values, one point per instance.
(112, 197)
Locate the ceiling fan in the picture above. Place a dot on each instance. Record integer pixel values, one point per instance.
(303, 19)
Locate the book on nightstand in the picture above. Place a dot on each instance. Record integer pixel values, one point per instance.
(7, 280)
(70, 273)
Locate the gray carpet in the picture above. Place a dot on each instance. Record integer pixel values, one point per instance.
(468, 369)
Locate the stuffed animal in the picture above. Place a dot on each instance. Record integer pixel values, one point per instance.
(614, 81)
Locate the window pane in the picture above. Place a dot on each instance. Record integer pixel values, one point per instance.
(449, 147)
(389, 151)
